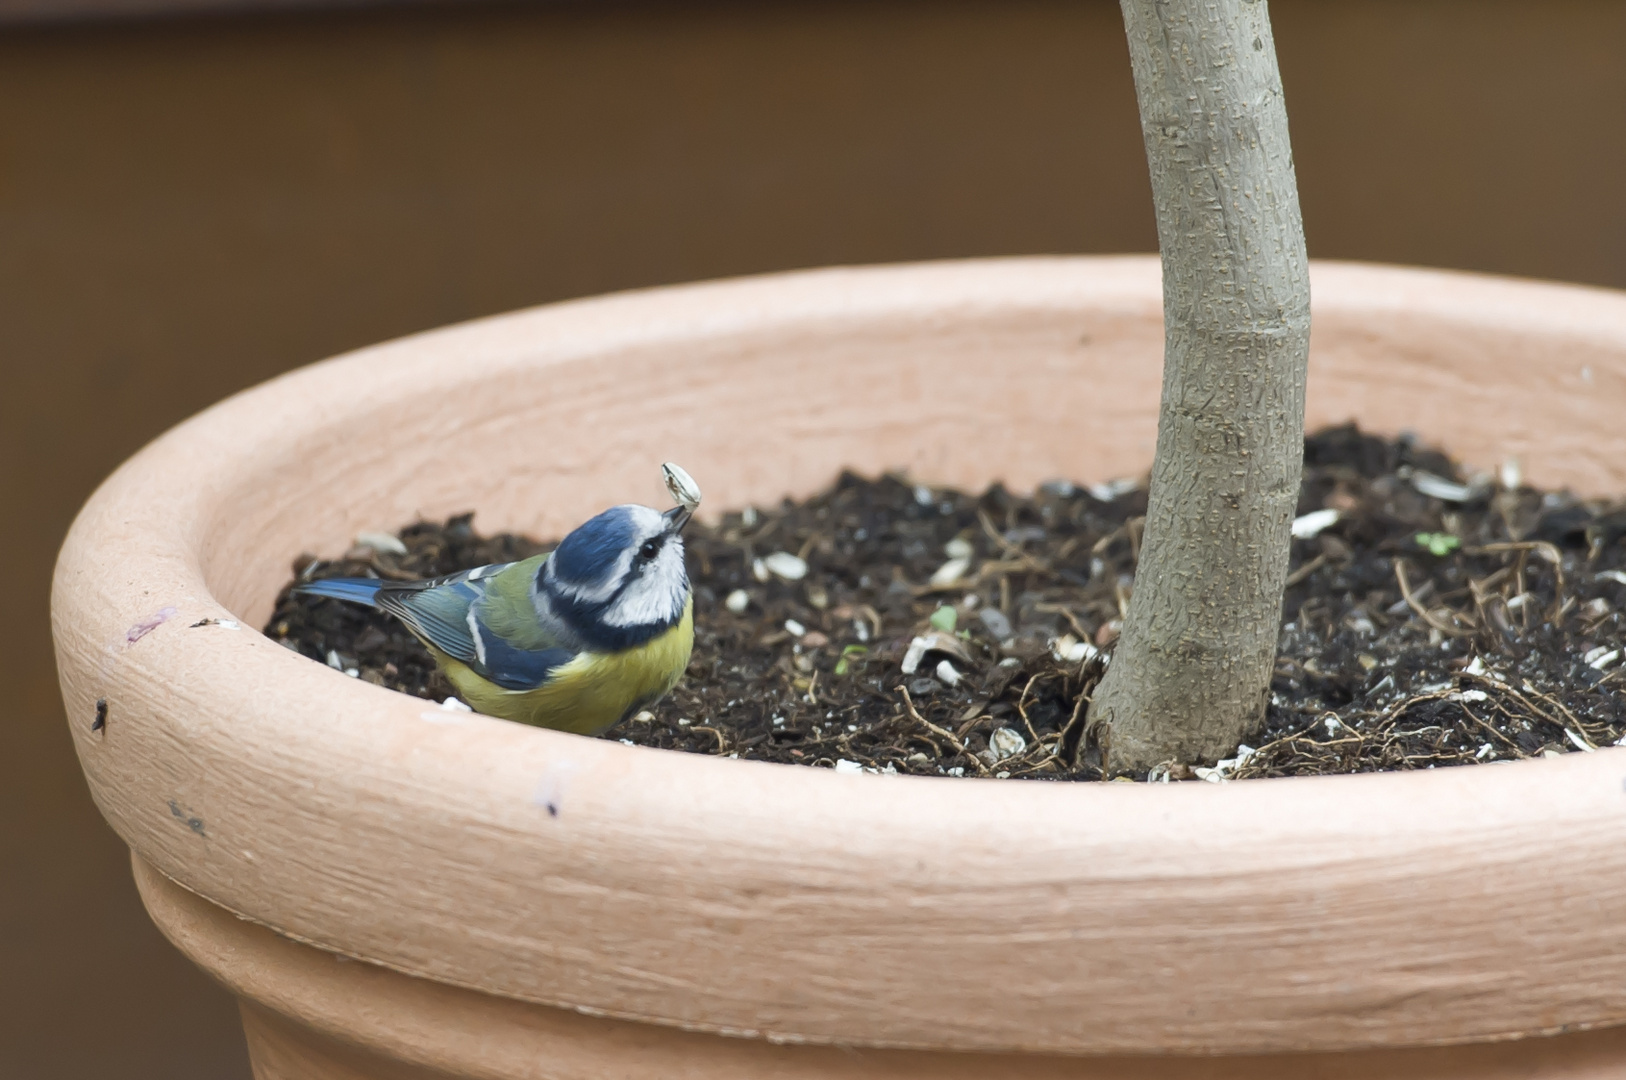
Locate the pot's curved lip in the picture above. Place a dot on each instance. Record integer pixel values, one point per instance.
(798, 904)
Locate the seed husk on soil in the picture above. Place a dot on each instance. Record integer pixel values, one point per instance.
(1431, 619)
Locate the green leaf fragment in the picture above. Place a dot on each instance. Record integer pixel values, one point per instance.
(1438, 544)
(944, 619)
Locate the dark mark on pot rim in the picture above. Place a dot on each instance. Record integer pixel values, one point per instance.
(193, 822)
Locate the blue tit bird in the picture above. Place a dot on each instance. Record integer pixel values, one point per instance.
(575, 639)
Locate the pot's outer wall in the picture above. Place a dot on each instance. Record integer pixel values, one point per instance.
(798, 904)
(309, 1017)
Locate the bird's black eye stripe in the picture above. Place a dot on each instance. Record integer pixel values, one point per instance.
(650, 549)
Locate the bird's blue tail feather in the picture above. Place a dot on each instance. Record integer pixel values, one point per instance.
(355, 590)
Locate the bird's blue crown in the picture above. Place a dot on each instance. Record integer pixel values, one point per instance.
(591, 554)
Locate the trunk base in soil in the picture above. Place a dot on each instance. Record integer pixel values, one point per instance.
(1192, 671)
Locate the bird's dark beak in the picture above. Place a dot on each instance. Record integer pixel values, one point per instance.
(676, 518)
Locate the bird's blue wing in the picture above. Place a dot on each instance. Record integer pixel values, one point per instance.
(485, 619)
(437, 613)
(519, 669)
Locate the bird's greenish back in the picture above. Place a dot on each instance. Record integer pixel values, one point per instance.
(508, 608)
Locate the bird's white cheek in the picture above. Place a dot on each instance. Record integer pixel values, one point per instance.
(643, 604)
(656, 597)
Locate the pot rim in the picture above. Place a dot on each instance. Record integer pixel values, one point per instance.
(797, 904)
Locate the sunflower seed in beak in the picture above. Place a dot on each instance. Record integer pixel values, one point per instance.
(684, 491)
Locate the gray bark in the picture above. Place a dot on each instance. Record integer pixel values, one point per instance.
(1191, 673)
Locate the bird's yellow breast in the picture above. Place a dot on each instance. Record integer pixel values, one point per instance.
(590, 693)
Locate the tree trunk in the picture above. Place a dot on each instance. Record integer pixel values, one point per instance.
(1191, 672)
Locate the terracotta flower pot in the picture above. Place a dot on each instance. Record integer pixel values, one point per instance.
(383, 885)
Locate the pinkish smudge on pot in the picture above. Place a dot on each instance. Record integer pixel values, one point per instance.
(148, 625)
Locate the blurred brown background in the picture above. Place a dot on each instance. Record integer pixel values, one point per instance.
(192, 203)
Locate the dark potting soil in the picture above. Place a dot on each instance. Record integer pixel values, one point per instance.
(1432, 620)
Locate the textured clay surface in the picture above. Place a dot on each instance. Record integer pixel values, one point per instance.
(1296, 915)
